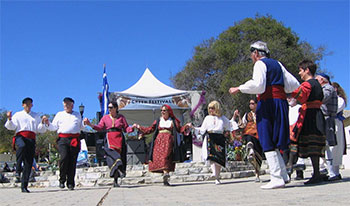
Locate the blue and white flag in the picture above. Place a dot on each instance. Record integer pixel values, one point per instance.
(105, 95)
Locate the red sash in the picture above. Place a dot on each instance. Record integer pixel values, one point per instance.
(295, 132)
(75, 141)
(273, 92)
(26, 134)
(115, 140)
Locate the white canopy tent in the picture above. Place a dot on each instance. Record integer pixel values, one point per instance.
(141, 102)
(150, 87)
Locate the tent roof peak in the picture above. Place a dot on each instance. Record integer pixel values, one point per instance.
(149, 86)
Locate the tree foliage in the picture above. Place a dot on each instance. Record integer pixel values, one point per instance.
(223, 62)
(46, 141)
(5, 134)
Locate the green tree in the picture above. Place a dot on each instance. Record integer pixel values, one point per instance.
(223, 62)
(45, 141)
(5, 134)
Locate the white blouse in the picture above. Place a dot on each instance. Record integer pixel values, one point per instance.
(214, 124)
(165, 123)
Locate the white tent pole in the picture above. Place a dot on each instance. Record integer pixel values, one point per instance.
(154, 114)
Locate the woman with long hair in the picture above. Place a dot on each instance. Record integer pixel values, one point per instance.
(340, 148)
(250, 137)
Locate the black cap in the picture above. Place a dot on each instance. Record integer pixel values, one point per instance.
(68, 99)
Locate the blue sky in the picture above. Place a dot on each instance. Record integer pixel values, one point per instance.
(53, 49)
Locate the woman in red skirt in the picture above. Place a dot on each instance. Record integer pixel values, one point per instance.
(164, 151)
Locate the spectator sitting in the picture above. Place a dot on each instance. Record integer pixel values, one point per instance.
(6, 168)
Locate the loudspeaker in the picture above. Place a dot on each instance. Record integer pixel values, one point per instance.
(136, 152)
(90, 139)
(136, 146)
(100, 152)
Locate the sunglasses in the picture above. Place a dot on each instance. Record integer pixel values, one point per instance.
(164, 110)
(252, 49)
(110, 107)
(251, 103)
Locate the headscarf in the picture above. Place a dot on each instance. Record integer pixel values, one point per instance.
(171, 113)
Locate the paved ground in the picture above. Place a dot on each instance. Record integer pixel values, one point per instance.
(242, 191)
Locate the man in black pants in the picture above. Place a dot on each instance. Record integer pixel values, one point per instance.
(68, 124)
(27, 124)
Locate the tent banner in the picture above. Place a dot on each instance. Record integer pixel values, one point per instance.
(182, 100)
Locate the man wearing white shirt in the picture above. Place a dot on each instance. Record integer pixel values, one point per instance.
(271, 81)
(26, 124)
(68, 124)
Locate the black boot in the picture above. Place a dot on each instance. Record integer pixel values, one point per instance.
(166, 179)
(292, 158)
(24, 187)
(116, 175)
(300, 175)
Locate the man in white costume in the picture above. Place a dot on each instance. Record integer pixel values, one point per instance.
(271, 81)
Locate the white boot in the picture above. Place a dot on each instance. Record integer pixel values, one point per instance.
(275, 171)
(330, 168)
(284, 173)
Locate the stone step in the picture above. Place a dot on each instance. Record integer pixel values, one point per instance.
(139, 174)
(156, 179)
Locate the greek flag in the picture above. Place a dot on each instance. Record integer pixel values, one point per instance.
(105, 95)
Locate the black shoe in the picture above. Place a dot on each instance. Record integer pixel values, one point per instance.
(314, 180)
(61, 185)
(166, 183)
(70, 187)
(334, 178)
(339, 176)
(115, 184)
(25, 190)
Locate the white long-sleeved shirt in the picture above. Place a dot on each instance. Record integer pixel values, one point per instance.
(23, 121)
(257, 84)
(341, 104)
(66, 123)
(214, 124)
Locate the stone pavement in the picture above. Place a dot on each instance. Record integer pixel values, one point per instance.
(242, 191)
